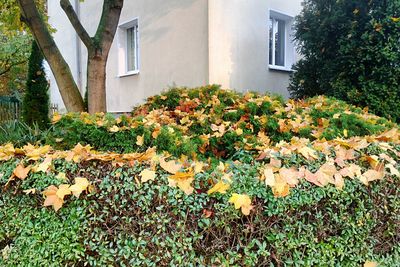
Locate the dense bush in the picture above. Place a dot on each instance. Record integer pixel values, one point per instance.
(350, 51)
(153, 224)
(212, 122)
(35, 105)
(231, 180)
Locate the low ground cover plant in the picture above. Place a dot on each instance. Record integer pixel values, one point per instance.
(206, 177)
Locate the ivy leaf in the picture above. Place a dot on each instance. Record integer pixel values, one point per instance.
(241, 201)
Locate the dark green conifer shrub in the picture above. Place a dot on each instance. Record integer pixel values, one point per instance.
(36, 99)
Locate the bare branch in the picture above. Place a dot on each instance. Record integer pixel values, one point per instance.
(73, 18)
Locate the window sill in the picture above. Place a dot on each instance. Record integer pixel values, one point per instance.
(130, 73)
(279, 68)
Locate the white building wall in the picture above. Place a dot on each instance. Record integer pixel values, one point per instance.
(238, 44)
(66, 39)
(181, 42)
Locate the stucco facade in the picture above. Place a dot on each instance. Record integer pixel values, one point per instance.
(180, 42)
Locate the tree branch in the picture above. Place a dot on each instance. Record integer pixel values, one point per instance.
(73, 18)
(9, 67)
(108, 24)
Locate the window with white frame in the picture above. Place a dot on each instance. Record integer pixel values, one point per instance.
(128, 41)
(281, 48)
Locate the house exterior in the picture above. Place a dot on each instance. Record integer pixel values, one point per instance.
(240, 44)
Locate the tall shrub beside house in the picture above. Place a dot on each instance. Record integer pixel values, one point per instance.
(36, 99)
(351, 51)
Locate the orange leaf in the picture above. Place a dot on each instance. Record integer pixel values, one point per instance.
(21, 172)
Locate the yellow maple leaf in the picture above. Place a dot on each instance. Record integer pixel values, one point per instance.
(281, 187)
(63, 190)
(140, 140)
(392, 170)
(81, 184)
(21, 172)
(30, 191)
(171, 166)
(44, 166)
(183, 181)
(61, 176)
(147, 175)
(239, 131)
(35, 153)
(219, 187)
(198, 166)
(370, 264)
(371, 175)
(7, 152)
(56, 118)
(308, 153)
(114, 129)
(52, 199)
(241, 201)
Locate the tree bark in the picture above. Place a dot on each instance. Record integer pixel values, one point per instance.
(98, 49)
(96, 84)
(66, 84)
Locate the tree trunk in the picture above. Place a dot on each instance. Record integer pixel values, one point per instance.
(66, 84)
(96, 84)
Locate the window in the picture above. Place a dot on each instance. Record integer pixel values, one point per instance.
(281, 48)
(128, 42)
(132, 48)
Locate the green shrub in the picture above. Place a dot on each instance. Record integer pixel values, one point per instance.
(35, 105)
(19, 133)
(350, 51)
(153, 224)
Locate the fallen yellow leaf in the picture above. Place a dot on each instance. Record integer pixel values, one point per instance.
(219, 187)
(147, 175)
(81, 184)
(241, 201)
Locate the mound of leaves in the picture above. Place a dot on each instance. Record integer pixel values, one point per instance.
(198, 178)
(211, 122)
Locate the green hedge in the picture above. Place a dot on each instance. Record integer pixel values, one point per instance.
(125, 223)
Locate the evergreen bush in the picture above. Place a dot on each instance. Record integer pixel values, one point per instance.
(35, 106)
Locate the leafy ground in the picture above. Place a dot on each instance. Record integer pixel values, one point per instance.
(206, 177)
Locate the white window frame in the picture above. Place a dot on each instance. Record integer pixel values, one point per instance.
(123, 48)
(289, 52)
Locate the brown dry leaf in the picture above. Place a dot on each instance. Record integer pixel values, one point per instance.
(312, 178)
(241, 201)
(21, 172)
(291, 175)
(171, 166)
(351, 171)
(147, 175)
(183, 180)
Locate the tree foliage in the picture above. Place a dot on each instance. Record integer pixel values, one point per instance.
(351, 51)
(36, 98)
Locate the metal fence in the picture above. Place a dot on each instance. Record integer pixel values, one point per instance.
(10, 108)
